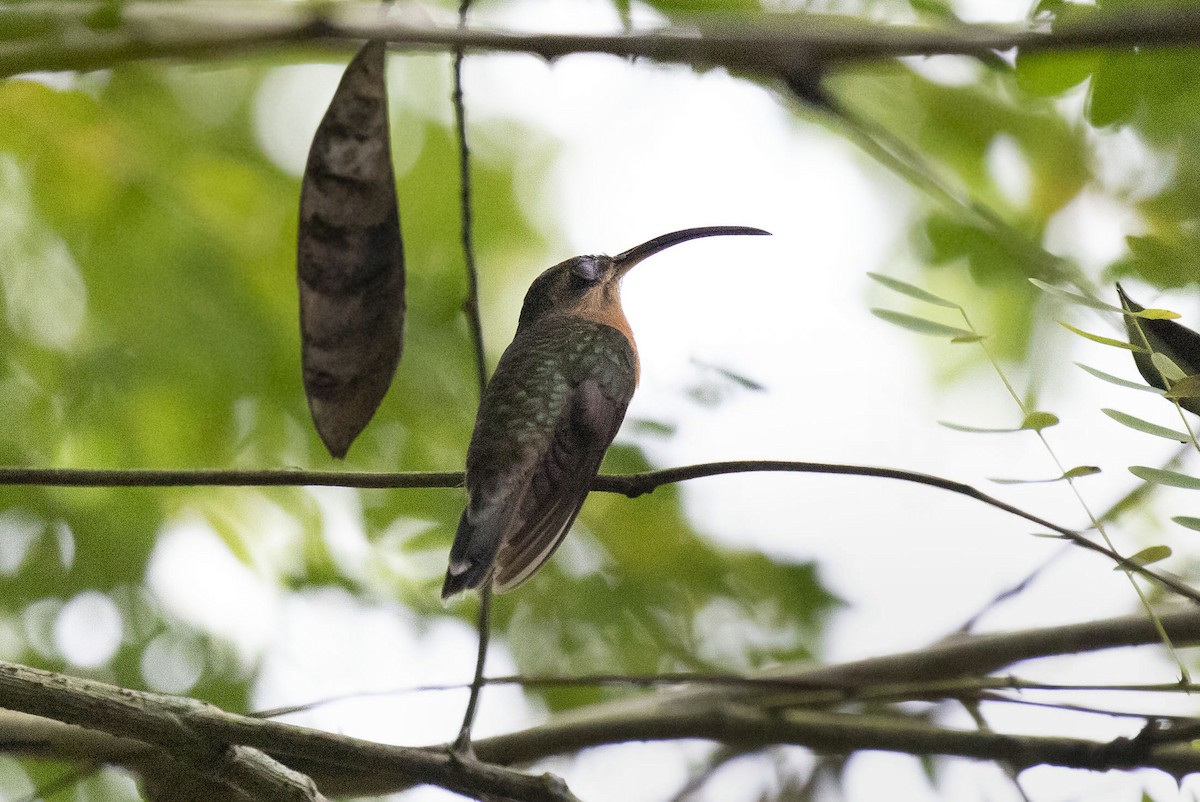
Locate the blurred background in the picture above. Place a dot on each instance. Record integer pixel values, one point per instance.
(147, 267)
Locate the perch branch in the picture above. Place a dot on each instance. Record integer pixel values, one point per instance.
(631, 485)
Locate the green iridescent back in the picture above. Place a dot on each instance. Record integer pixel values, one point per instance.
(534, 380)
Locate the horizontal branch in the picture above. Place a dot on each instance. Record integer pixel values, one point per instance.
(769, 44)
(631, 485)
(660, 716)
(204, 477)
(745, 717)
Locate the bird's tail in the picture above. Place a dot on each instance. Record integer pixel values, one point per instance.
(466, 570)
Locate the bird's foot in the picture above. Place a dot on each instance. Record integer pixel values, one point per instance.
(462, 749)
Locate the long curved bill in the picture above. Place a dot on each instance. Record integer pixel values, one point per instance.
(626, 260)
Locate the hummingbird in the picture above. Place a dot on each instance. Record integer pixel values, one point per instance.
(548, 415)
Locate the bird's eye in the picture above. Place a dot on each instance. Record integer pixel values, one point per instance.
(586, 268)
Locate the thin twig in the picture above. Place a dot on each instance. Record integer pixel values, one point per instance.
(471, 303)
(1012, 591)
(462, 744)
(271, 477)
(1138, 493)
(631, 485)
(635, 484)
(846, 691)
(1089, 709)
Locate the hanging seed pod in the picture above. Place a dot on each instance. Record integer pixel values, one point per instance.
(1171, 357)
(350, 257)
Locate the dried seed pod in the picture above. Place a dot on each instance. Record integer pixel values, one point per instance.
(350, 257)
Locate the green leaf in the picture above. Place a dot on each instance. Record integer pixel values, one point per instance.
(1160, 476)
(920, 325)
(1050, 74)
(1072, 297)
(1116, 90)
(1148, 555)
(1039, 420)
(1081, 470)
(974, 338)
(1096, 338)
(1146, 426)
(959, 427)
(1156, 314)
(1187, 387)
(912, 291)
(1096, 303)
(1188, 521)
(1073, 473)
(1111, 379)
(1166, 367)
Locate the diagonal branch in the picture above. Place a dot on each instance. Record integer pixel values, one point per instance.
(233, 748)
(240, 769)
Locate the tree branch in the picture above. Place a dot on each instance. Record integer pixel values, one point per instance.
(124, 713)
(774, 44)
(737, 716)
(232, 748)
(631, 485)
(667, 714)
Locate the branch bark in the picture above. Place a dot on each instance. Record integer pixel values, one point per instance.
(642, 717)
(777, 44)
(631, 485)
(230, 749)
(744, 717)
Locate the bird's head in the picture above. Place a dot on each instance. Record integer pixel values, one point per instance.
(594, 281)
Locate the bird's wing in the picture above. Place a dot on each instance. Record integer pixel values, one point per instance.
(555, 487)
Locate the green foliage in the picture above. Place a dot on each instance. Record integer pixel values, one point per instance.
(1077, 472)
(1160, 476)
(922, 325)
(1102, 340)
(173, 238)
(1149, 555)
(1111, 379)
(1037, 421)
(1146, 426)
(147, 257)
(913, 291)
(664, 599)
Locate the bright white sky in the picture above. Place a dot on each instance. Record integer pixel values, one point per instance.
(644, 150)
